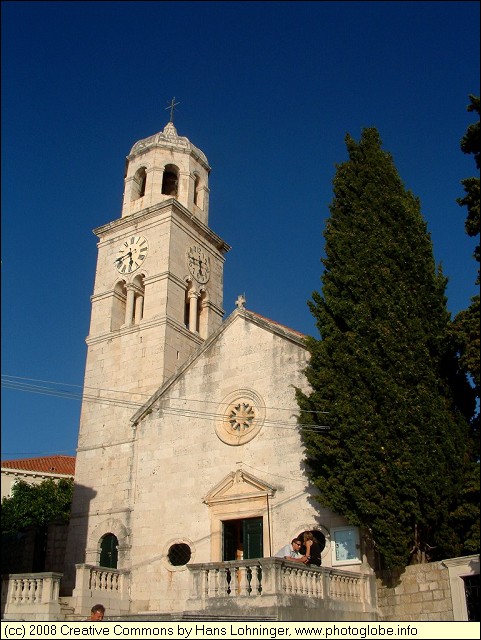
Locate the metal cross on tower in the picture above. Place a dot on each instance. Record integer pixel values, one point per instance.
(172, 106)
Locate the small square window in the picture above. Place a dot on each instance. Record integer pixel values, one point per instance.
(345, 546)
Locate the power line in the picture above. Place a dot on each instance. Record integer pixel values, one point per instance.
(20, 384)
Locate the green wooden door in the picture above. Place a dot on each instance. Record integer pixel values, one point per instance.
(252, 535)
(108, 551)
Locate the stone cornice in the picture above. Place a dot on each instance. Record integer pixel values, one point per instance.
(168, 207)
(143, 325)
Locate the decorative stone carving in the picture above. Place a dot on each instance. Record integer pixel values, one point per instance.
(243, 414)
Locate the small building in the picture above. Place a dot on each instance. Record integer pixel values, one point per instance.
(35, 470)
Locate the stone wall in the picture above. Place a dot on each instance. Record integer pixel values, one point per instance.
(421, 592)
(56, 545)
(34, 549)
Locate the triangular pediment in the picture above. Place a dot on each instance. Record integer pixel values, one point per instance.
(238, 485)
(239, 315)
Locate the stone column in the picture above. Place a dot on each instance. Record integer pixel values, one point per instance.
(193, 295)
(129, 307)
(139, 307)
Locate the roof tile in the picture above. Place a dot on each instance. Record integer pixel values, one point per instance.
(64, 465)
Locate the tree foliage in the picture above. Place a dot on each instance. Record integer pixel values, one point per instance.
(384, 367)
(466, 333)
(466, 325)
(36, 504)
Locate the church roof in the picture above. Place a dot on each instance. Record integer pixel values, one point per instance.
(277, 325)
(168, 138)
(60, 465)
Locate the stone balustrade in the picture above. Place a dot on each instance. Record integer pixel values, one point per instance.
(272, 587)
(95, 584)
(273, 584)
(31, 596)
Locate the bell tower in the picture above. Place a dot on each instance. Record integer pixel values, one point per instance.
(158, 286)
(165, 166)
(157, 296)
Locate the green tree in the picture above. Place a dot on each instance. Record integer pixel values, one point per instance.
(466, 325)
(384, 368)
(466, 333)
(36, 504)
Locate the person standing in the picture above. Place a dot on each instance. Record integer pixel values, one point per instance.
(313, 549)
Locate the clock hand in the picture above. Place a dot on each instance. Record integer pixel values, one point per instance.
(120, 258)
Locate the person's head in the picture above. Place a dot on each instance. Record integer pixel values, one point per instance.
(308, 536)
(296, 544)
(97, 612)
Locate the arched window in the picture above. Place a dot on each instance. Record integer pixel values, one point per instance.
(118, 306)
(196, 188)
(138, 184)
(128, 303)
(187, 307)
(201, 311)
(170, 180)
(139, 299)
(109, 551)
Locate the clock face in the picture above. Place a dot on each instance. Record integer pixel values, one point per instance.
(199, 263)
(131, 254)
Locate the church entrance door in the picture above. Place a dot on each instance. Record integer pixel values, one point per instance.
(242, 539)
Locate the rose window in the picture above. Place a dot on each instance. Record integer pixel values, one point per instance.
(241, 417)
(243, 413)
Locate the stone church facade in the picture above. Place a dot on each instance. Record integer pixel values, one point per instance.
(190, 468)
(189, 450)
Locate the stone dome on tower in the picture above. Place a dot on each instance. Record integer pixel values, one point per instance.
(169, 139)
(165, 166)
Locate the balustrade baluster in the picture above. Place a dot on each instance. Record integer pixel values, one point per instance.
(227, 587)
(243, 584)
(213, 583)
(257, 580)
(37, 590)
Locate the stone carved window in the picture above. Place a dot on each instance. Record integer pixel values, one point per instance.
(243, 416)
(127, 303)
(176, 553)
(179, 554)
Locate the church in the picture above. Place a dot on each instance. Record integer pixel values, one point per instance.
(189, 451)
(190, 472)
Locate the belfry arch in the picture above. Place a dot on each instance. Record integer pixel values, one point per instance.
(170, 181)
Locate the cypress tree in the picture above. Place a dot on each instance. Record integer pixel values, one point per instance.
(383, 368)
(466, 333)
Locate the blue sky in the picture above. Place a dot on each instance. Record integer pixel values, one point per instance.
(268, 90)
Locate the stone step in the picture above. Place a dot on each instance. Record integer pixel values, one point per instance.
(191, 616)
(215, 618)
